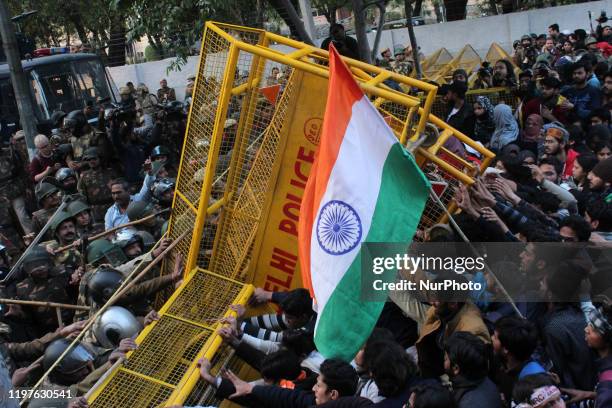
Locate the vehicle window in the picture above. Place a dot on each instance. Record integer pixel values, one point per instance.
(60, 87)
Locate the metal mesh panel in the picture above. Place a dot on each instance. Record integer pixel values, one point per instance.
(168, 350)
(128, 390)
(204, 299)
(250, 186)
(203, 394)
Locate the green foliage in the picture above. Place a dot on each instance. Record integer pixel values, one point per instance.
(151, 54)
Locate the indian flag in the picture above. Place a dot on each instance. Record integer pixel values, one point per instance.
(363, 187)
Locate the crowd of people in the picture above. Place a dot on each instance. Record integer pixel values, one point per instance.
(494, 347)
(63, 237)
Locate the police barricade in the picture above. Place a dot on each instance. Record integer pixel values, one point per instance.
(252, 134)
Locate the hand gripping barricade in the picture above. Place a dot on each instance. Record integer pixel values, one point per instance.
(252, 134)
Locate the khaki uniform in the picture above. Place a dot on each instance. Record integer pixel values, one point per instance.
(93, 185)
(166, 94)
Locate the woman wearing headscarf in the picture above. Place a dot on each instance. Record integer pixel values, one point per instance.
(484, 125)
(506, 128)
(531, 134)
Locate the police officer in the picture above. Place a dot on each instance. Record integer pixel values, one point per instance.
(401, 65)
(43, 283)
(48, 201)
(9, 230)
(131, 243)
(83, 136)
(13, 185)
(68, 261)
(162, 166)
(163, 193)
(98, 286)
(140, 209)
(100, 253)
(94, 184)
(84, 219)
(67, 179)
(66, 379)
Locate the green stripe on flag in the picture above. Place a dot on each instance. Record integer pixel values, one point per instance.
(347, 321)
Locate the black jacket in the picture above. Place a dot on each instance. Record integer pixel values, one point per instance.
(480, 393)
(276, 397)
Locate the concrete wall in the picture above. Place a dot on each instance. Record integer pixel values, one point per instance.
(503, 29)
(150, 73)
(479, 33)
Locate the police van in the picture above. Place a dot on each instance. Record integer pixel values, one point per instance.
(65, 82)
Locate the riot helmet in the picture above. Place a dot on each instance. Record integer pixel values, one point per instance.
(103, 284)
(115, 324)
(103, 251)
(68, 371)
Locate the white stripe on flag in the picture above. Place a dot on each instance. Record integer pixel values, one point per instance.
(354, 179)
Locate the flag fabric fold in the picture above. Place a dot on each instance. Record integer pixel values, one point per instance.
(363, 187)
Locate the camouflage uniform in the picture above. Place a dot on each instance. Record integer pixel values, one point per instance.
(51, 289)
(94, 186)
(402, 67)
(79, 144)
(13, 186)
(9, 230)
(39, 219)
(66, 262)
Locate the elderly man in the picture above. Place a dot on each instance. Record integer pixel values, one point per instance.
(45, 163)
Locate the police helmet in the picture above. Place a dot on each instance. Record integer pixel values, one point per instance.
(164, 228)
(57, 117)
(159, 151)
(103, 284)
(104, 251)
(161, 186)
(43, 190)
(64, 173)
(127, 237)
(115, 324)
(139, 209)
(36, 257)
(59, 218)
(75, 360)
(75, 120)
(77, 206)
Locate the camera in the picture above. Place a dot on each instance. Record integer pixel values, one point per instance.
(61, 151)
(121, 112)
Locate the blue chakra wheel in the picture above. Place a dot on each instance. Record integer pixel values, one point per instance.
(338, 228)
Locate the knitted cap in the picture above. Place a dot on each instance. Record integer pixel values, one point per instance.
(603, 170)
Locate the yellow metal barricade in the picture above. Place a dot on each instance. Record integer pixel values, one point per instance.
(250, 143)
